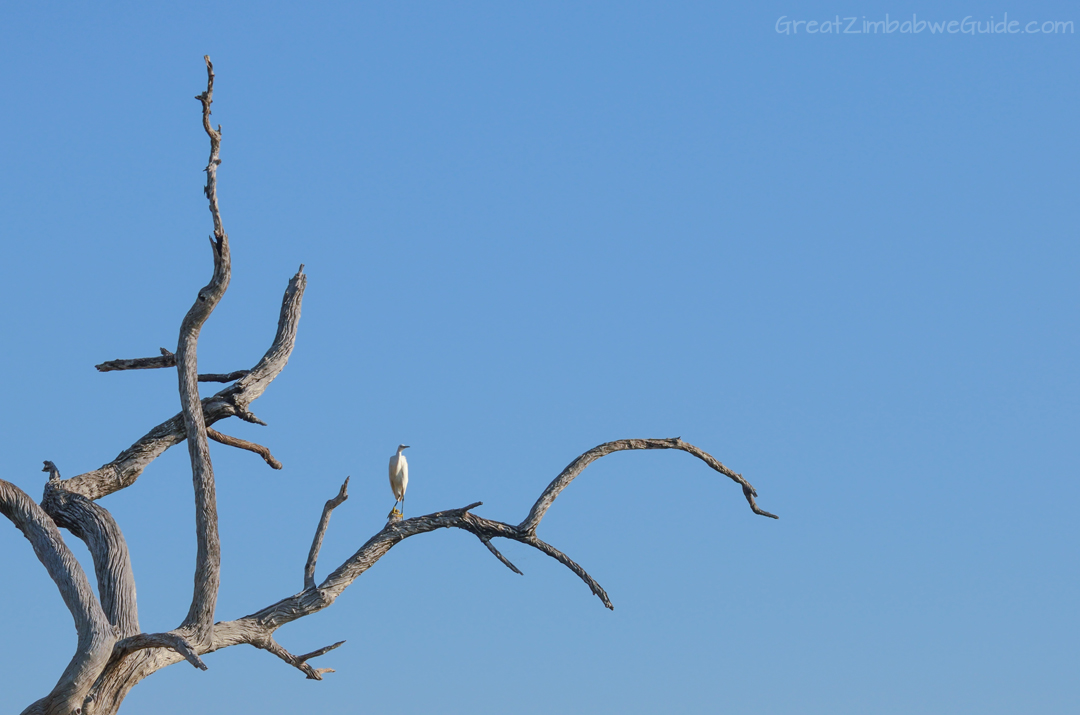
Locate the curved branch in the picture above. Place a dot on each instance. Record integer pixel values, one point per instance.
(314, 599)
(112, 563)
(244, 444)
(96, 635)
(578, 465)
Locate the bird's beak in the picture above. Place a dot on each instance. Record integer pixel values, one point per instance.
(405, 447)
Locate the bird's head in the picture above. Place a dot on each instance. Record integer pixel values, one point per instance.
(401, 447)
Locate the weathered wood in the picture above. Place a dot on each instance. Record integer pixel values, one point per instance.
(200, 618)
(166, 359)
(232, 401)
(112, 563)
(113, 656)
(244, 444)
(96, 634)
(578, 465)
(316, 543)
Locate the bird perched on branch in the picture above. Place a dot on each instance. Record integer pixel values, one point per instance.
(399, 479)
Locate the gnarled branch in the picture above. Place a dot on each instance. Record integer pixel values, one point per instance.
(208, 555)
(96, 634)
(112, 563)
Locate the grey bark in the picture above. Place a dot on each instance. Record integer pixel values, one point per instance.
(96, 527)
(113, 655)
(96, 634)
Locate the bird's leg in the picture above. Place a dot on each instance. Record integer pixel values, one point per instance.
(403, 505)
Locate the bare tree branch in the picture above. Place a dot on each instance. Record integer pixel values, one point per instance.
(258, 628)
(300, 663)
(248, 416)
(172, 641)
(96, 634)
(200, 616)
(498, 555)
(112, 563)
(244, 444)
(223, 377)
(229, 402)
(166, 359)
(320, 651)
(578, 465)
(316, 544)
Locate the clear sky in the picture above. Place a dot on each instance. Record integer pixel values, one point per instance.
(845, 264)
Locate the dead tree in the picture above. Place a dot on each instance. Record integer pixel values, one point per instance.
(113, 654)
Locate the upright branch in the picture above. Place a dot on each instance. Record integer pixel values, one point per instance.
(200, 617)
(316, 543)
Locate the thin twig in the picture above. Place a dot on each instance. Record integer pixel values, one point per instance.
(498, 555)
(300, 663)
(321, 651)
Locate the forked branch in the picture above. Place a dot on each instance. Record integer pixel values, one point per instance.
(315, 598)
(231, 401)
(299, 662)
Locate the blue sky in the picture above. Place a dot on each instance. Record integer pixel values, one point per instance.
(843, 264)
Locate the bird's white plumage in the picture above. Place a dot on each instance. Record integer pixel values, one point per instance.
(399, 474)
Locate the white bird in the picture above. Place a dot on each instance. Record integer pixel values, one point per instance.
(399, 477)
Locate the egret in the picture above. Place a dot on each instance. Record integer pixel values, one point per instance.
(399, 478)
